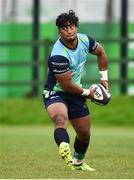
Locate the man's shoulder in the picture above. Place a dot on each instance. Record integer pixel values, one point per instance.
(82, 36)
(58, 49)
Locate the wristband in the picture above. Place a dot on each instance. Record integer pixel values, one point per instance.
(104, 75)
(86, 92)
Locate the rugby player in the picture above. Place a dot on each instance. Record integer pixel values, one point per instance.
(64, 96)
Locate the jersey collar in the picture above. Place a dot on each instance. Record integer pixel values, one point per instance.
(67, 46)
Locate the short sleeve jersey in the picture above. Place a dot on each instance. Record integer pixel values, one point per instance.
(63, 59)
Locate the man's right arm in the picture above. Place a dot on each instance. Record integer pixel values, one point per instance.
(65, 80)
(60, 67)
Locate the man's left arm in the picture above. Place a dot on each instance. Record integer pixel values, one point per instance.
(103, 65)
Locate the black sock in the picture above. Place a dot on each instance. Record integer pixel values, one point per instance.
(61, 135)
(80, 148)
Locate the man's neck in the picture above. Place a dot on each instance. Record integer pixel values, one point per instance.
(71, 45)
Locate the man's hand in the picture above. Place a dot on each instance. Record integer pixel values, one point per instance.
(105, 84)
(92, 91)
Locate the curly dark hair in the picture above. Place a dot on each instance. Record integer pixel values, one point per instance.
(63, 19)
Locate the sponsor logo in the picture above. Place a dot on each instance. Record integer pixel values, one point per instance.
(60, 71)
(59, 64)
(53, 97)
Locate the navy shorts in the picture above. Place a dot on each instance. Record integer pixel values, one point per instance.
(76, 104)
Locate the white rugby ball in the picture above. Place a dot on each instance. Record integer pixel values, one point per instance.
(101, 96)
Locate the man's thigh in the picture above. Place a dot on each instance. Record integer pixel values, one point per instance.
(56, 106)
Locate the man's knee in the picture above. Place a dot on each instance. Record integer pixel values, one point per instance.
(60, 120)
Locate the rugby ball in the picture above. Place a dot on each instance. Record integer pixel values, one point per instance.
(101, 96)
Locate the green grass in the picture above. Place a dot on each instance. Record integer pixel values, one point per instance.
(30, 152)
(31, 111)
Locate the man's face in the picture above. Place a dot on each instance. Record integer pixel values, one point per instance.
(68, 33)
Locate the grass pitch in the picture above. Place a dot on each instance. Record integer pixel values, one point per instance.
(30, 152)
(23, 111)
